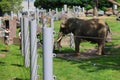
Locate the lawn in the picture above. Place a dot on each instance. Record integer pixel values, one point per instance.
(105, 67)
(11, 64)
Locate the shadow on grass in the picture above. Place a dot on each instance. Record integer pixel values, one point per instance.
(19, 79)
(18, 65)
(66, 50)
(2, 63)
(18, 54)
(4, 50)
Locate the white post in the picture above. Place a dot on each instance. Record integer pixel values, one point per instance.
(47, 53)
(28, 7)
(37, 16)
(74, 9)
(50, 12)
(114, 8)
(19, 15)
(26, 40)
(0, 22)
(56, 10)
(65, 8)
(33, 50)
(12, 15)
(79, 9)
(63, 11)
(56, 17)
(83, 9)
(52, 26)
(52, 23)
(22, 40)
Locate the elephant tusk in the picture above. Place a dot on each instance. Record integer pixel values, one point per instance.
(59, 38)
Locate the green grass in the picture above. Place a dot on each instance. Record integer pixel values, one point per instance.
(105, 67)
(85, 70)
(11, 65)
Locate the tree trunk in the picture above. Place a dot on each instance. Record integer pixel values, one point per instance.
(95, 12)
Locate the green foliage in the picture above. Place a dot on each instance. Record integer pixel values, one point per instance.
(104, 4)
(47, 3)
(117, 1)
(11, 64)
(88, 4)
(89, 7)
(119, 8)
(10, 5)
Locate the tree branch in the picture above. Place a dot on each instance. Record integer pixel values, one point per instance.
(114, 2)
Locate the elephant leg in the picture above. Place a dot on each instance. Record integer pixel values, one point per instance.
(77, 43)
(100, 49)
(59, 46)
(103, 50)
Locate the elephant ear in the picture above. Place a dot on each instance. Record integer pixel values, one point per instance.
(63, 23)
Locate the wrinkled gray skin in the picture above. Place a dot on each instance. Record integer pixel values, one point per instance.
(95, 28)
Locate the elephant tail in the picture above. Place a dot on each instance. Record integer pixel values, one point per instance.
(108, 28)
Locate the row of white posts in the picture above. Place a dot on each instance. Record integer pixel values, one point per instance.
(29, 48)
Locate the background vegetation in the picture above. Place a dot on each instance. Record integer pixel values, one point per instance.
(15, 5)
(10, 5)
(88, 4)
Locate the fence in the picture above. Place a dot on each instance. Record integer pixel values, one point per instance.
(29, 47)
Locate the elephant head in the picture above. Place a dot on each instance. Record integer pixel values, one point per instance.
(66, 26)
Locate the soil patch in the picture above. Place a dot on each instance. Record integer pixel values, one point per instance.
(89, 53)
(2, 54)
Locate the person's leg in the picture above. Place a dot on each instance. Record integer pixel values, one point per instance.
(6, 44)
(20, 44)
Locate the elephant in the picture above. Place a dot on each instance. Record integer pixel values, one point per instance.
(93, 30)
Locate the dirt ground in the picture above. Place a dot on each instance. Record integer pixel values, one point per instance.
(2, 54)
(83, 55)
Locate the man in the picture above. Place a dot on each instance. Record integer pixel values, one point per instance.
(20, 38)
(6, 38)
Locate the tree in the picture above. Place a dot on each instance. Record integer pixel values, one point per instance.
(95, 13)
(47, 4)
(59, 3)
(88, 4)
(114, 2)
(10, 5)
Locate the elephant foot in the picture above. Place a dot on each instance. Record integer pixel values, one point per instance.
(98, 53)
(76, 54)
(103, 53)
